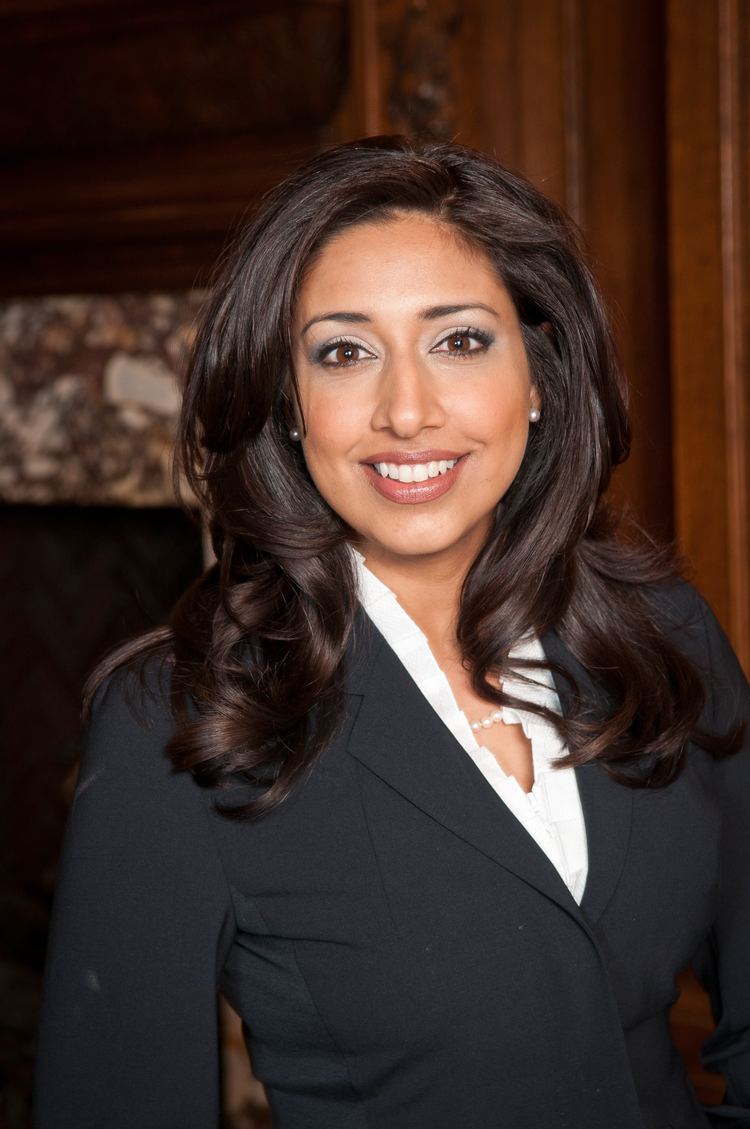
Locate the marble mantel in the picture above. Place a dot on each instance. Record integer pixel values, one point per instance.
(89, 394)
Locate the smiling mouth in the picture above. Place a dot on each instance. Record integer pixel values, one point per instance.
(413, 483)
(414, 472)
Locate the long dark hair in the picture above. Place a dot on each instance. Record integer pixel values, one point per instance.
(257, 644)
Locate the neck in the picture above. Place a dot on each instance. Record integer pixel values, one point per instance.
(428, 589)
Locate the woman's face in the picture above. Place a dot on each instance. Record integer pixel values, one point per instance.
(414, 386)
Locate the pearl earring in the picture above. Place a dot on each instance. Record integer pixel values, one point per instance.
(294, 434)
(534, 415)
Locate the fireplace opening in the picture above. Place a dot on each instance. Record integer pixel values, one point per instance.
(74, 582)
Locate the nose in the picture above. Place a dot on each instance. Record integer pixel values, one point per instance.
(408, 400)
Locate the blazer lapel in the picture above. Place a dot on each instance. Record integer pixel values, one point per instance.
(398, 737)
(607, 806)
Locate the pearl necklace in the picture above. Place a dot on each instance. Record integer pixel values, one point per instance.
(493, 718)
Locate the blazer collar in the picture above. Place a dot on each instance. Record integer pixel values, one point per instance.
(607, 806)
(399, 737)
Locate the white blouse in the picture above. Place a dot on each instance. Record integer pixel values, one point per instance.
(551, 812)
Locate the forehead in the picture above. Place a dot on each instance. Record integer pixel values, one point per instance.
(395, 256)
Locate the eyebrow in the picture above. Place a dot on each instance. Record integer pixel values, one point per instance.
(429, 314)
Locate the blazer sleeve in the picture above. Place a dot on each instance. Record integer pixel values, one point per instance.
(141, 924)
(724, 963)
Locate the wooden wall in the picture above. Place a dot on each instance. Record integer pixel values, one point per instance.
(709, 286)
(135, 134)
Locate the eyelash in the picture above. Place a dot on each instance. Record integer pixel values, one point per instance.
(485, 340)
(330, 346)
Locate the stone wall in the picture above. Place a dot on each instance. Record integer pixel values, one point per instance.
(89, 394)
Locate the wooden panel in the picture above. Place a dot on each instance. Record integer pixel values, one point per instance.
(691, 1025)
(520, 90)
(152, 217)
(418, 58)
(134, 135)
(709, 112)
(106, 76)
(623, 215)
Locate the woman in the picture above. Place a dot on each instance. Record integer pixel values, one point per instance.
(452, 787)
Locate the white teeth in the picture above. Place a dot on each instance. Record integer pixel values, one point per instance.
(414, 472)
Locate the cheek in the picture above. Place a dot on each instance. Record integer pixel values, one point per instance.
(333, 427)
(501, 416)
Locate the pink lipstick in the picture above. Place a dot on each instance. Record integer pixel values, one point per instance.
(413, 477)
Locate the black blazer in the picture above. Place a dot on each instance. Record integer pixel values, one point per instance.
(403, 954)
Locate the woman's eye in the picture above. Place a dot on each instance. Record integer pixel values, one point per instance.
(463, 343)
(338, 354)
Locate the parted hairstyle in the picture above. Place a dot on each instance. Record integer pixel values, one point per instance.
(257, 645)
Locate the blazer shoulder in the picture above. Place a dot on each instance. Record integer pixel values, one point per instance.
(677, 602)
(680, 610)
(131, 722)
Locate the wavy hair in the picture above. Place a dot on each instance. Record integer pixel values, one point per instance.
(258, 644)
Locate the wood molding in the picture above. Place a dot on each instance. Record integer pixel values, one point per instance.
(735, 271)
(135, 136)
(623, 205)
(709, 108)
(150, 217)
(572, 39)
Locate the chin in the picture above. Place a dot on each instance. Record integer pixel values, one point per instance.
(426, 545)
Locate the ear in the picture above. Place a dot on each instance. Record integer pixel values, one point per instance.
(292, 417)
